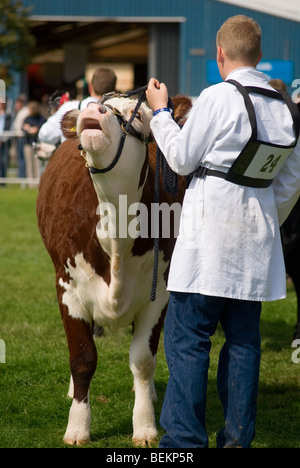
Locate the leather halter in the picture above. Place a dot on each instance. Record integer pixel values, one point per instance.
(127, 128)
(130, 130)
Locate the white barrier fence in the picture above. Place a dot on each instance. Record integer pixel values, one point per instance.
(19, 180)
(13, 135)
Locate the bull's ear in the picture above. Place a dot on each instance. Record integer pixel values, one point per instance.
(182, 106)
(68, 123)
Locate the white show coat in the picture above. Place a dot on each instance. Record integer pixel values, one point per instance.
(50, 132)
(229, 241)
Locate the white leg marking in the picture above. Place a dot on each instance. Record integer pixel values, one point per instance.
(142, 365)
(144, 428)
(78, 430)
(71, 388)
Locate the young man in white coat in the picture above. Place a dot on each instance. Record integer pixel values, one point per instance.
(240, 141)
(103, 81)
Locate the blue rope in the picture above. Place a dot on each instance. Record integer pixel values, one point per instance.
(170, 182)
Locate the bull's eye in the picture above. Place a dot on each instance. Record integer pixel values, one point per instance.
(137, 116)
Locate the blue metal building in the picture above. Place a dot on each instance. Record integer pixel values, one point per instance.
(180, 35)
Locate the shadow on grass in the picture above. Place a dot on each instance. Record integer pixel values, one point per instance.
(278, 416)
(277, 335)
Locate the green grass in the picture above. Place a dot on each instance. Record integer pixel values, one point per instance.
(34, 380)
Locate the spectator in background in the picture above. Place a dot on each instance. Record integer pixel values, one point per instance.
(56, 100)
(5, 123)
(21, 112)
(103, 81)
(278, 84)
(31, 126)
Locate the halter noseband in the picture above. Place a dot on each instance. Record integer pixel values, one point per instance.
(126, 126)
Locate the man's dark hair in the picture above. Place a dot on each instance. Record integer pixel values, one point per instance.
(103, 81)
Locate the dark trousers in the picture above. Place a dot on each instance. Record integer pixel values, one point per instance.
(191, 320)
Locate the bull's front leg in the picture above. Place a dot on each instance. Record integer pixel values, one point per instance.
(83, 362)
(142, 364)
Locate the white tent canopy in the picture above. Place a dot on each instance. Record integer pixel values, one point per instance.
(289, 9)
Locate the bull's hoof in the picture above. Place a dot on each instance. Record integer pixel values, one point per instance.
(145, 442)
(146, 438)
(78, 442)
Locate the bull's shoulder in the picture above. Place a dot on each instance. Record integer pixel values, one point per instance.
(65, 166)
(67, 203)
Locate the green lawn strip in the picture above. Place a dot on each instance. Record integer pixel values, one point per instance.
(34, 380)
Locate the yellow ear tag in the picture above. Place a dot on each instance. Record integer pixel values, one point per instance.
(73, 129)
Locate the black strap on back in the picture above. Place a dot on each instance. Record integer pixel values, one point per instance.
(280, 95)
(232, 176)
(249, 107)
(294, 110)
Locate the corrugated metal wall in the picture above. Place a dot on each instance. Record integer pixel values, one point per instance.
(164, 54)
(281, 37)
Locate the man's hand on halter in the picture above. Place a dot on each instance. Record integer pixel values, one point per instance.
(157, 94)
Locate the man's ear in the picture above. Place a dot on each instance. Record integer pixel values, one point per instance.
(220, 54)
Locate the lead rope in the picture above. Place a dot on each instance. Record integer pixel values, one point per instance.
(170, 180)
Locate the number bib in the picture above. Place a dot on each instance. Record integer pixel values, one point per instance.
(260, 161)
(258, 164)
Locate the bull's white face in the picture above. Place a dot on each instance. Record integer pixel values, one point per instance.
(100, 133)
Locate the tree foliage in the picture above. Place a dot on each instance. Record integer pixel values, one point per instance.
(16, 40)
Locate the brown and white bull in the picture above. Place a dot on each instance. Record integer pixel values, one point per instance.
(104, 274)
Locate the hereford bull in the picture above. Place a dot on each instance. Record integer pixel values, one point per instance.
(103, 274)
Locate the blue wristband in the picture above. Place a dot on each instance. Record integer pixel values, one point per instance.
(163, 109)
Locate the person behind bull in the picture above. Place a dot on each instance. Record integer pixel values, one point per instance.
(20, 113)
(5, 123)
(103, 81)
(240, 142)
(31, 126)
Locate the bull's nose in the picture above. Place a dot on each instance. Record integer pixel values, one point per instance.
(102, 108)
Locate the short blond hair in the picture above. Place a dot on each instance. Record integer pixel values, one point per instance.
(240, 37)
